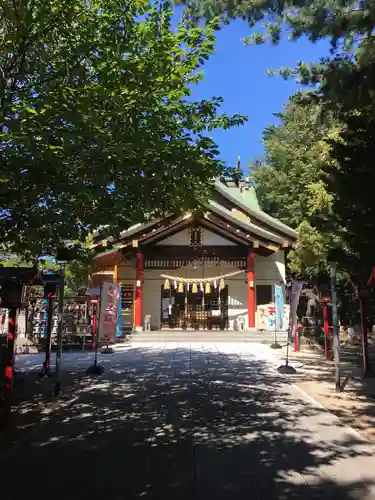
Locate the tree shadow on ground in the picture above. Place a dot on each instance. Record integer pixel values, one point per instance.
(355, 404)
(186, 424)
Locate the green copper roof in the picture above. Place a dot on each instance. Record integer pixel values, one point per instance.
(251, 206)
(240, 196)
(250, 198)
(248, 226)
(243, 194)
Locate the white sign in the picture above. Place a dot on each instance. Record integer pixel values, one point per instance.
(267, 317)
(109, 302)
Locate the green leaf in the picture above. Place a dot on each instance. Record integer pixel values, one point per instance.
(101, 132)
(30, 110)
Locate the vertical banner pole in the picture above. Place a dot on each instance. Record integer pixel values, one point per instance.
(60, 329)
(119, 315)
(94, 324)
(97, 333)
(95, 368)
(139, 291)
(335, 325)
(46, 370)
(278, 300)
(365, 356)
(294, 299)
(326, 330)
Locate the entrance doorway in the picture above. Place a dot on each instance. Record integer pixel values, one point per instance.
(186, 310)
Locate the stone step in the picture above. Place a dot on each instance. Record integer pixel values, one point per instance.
(204, 336)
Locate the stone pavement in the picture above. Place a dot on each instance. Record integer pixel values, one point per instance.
(355, 404)
(185, 422)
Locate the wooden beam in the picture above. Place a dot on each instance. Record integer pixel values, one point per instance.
(226, 230)
(251, 238)
(164, 232)
(274, 248)
(186, 252)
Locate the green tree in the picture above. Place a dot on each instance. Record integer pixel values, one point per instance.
(341, 20)
(291, 185)
(353, 183)
(344, 88)
(97, 127)
(77, 272)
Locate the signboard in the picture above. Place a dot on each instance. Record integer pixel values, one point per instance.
(266, 319)
(109, 302)
(279, 307)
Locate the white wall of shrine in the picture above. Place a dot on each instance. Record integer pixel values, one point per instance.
(237, 288)
(268, 271)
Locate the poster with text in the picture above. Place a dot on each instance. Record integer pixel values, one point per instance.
(267, 317)
(109, 303)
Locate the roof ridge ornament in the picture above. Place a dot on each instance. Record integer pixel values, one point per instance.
(237, 172)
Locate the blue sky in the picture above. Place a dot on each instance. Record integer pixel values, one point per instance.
(239, 75)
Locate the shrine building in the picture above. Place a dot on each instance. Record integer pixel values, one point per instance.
(207, 269)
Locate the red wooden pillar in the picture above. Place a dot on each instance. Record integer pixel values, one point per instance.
(138, 324)
(251, 289)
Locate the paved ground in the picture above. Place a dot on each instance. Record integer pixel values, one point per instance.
(184, 422)
(355, 404)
